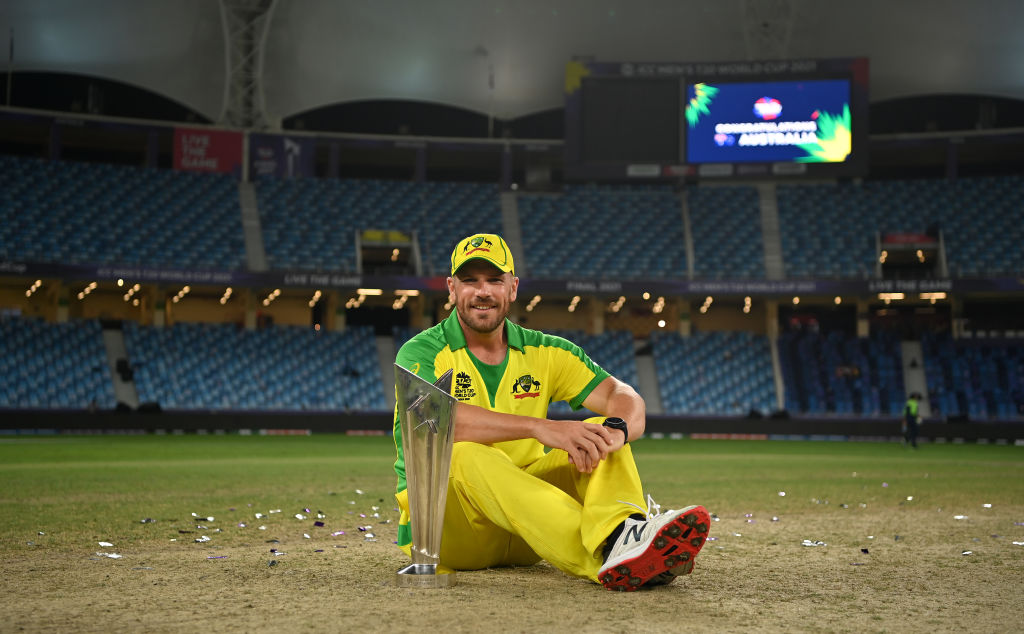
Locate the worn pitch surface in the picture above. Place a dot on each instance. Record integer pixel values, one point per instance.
(892, 557)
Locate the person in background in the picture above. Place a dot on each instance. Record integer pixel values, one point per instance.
(911, 419)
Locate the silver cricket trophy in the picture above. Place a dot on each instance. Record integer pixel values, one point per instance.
(427, 415)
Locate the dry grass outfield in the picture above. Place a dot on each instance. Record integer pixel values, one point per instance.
(755, 576)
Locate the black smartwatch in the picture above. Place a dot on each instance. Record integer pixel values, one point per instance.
(618, 423)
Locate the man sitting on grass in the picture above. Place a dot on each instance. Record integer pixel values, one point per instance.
(579, 506)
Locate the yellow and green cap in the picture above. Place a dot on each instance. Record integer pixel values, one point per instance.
(483, 246)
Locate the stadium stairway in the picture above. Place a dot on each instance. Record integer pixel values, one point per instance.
(513, 233)
(684, 208)
(120, 367)
(771, 237)
(914, 379)
(255, 253)
(647, 378)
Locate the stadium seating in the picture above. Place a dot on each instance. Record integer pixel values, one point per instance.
(984, 227)
(85, 213)
(979, 379)
(401, 334)
(842, 374)
(829, 230)
(717, 373)
(53, 366)
(283, 368)
(726, 226)
(312, 224)
(615, 232)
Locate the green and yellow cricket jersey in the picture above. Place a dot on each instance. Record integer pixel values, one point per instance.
(538, 370)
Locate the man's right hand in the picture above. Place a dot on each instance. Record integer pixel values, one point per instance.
(586, 443)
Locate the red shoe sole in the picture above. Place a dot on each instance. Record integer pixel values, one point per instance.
(671, 552)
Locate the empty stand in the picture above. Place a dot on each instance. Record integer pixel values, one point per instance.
(53, 366)
(283, 368)
(86, 213)
(726, 226)
(842, 374)
(718, 373)
(604, 231)
(829, 230)
(312, 223)
(979, 379)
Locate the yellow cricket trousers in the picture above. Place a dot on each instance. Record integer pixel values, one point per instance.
(499, 514)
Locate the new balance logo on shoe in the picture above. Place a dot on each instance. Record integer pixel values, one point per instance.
(634, 532)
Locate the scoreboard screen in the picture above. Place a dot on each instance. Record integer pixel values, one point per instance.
(677, 121)
(802, 121)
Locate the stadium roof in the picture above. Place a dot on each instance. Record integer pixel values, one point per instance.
(320, 52)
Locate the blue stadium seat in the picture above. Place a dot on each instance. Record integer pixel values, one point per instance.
(84, 213)
(618, 232)
(283, 368)
(839, 373)
(829, 230)
(313, 223)
(981, 379)
(717, 373)
(726, 228)
(53, 366)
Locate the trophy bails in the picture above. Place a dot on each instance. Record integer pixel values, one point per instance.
(427, 415)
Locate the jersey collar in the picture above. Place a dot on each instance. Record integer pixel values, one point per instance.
(457, 339)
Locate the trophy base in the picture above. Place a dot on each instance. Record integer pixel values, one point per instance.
(425, 576)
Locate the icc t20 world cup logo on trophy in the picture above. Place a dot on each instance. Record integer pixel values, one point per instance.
(427, 415)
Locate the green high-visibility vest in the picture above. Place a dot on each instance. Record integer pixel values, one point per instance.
(912, 407)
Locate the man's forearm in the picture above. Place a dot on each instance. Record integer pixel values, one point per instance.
(615, 398)
(477, 424)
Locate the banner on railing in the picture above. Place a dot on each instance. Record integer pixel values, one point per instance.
(276, 155)
(206, 150)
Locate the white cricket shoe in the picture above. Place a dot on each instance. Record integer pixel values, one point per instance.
(656, 550)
